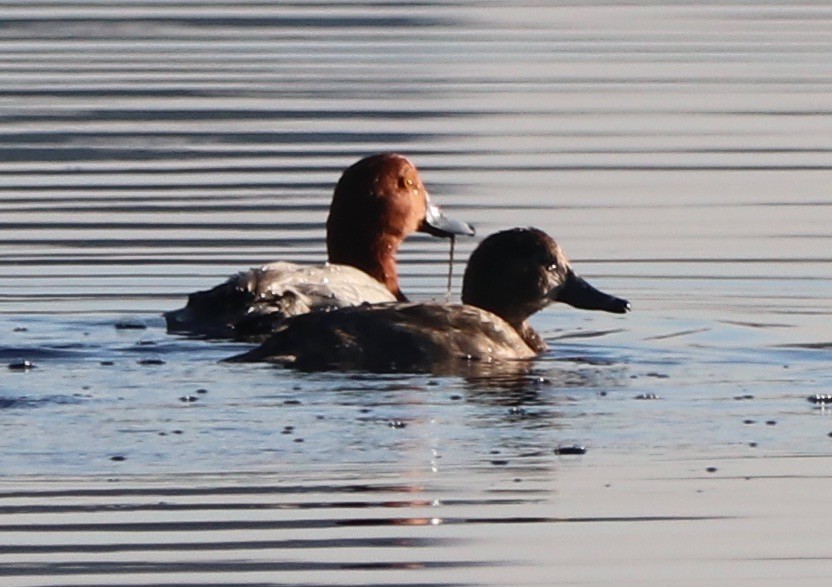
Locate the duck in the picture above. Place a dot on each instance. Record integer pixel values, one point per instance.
(511, 275)
(378, 202)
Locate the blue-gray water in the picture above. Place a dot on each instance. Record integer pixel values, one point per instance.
(680, 153)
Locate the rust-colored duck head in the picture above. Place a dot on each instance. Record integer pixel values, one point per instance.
(377, 203)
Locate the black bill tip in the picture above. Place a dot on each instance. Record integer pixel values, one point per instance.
(619, 306)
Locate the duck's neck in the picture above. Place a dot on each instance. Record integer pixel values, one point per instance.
(383, 266)
(530, 337)
(378, 260)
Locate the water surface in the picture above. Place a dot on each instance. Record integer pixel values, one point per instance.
(679, 152)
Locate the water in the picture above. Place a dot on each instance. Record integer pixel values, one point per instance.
(679, 152)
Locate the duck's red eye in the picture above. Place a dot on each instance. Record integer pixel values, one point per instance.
(408, 184)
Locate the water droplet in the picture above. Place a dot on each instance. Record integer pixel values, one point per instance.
(570, 449)
(23, 365)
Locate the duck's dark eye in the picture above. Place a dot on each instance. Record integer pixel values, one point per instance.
(550, 263)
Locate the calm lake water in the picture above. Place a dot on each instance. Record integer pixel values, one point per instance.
(679, 152)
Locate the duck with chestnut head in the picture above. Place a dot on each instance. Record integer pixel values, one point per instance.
(378, 202)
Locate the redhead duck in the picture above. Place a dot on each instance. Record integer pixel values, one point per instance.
(510, 276)
(378, 202)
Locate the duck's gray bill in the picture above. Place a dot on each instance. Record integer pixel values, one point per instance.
(437, 224)
(577, 292)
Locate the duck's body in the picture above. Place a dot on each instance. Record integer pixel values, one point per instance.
(511, 275)
(392, 337)
(377, 203)
(249, 303)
